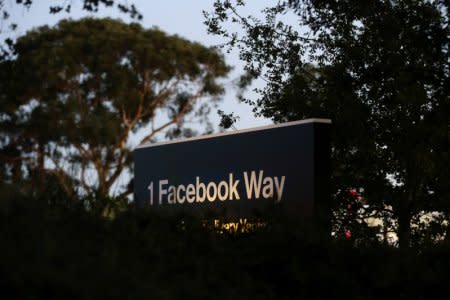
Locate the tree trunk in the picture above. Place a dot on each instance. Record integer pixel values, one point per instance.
(40, 159)
(103, 184)
(404, 223)
(40, 180)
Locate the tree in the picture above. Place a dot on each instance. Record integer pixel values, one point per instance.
(57, 7)
(379, 70)
(76, 96)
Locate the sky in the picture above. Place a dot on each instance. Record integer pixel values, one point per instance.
(183, 18)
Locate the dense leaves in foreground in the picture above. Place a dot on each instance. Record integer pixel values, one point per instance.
(63, 252)
(378, 69)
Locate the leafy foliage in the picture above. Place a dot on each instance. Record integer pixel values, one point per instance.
(88, 5)
(227, 120)
(379, 70)
(74, 95)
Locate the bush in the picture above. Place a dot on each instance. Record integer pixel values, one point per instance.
(55, 252)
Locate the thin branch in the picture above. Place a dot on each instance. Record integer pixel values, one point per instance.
(177, 119)
(125, 193)
(148, 137)
(249, 26)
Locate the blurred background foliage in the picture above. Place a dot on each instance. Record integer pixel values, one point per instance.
(77, 98)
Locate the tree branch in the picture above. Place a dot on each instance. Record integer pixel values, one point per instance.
(176, 119)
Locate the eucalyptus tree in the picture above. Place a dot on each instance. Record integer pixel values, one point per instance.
(78, 97)
(378, 69)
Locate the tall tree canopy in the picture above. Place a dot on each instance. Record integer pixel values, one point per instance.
(75, 97)
(379, 70)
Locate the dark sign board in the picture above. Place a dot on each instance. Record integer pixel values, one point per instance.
(240, 172)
